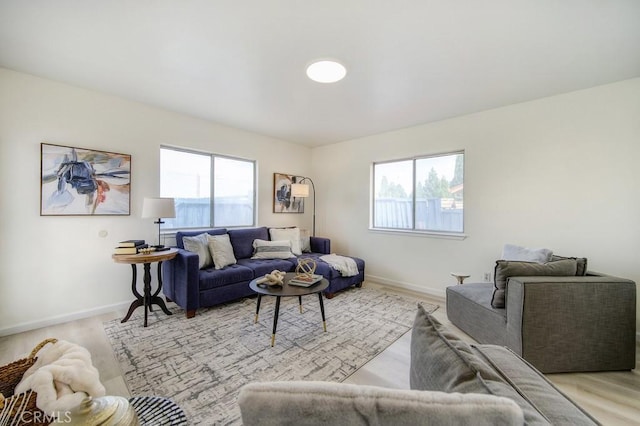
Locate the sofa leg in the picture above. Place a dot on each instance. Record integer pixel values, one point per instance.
(329, 295)
(359, 285)
(191, 313)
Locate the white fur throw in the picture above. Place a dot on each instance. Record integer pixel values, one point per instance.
(62, 376)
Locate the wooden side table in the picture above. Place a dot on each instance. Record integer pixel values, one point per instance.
(146, 299)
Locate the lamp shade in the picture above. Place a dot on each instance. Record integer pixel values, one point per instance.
(299, 190)
(158, 207)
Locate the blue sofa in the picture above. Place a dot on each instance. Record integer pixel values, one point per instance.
(192, 288)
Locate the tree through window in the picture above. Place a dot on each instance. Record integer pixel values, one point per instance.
(420, 194)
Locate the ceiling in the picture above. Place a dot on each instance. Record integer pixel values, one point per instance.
(242, 63)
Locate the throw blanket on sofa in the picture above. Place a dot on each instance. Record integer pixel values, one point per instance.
(62, 376)
(345, 265)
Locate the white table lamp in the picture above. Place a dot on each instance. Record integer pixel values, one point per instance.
(160, 208)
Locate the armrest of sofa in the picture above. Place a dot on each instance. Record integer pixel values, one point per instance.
(181, 282)
(325, 403)
(320, 245)
(576, 323)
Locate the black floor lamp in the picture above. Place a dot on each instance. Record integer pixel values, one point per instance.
(301, 190)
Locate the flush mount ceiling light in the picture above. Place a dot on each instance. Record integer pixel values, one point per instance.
(326, 71)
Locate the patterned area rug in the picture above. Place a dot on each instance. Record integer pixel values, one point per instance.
(201, 363)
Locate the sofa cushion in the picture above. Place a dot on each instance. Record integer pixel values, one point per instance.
(232, 274)
(242, 240)
(221, 250)
(505, 269)
(290, 234)
(261, 267)
(181, 234)
(304, 403)
(581, 264)
(442, 362)
(525, 254)
(198, 244)
(263, 249)
(528, 381)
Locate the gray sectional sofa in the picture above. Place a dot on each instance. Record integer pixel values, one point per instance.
(580, 322)
(191, 287)
(452, 383)
(440, 361)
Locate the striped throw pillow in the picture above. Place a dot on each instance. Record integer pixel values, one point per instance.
(263, 249)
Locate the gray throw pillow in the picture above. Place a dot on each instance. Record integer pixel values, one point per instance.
(199, 245)
(506, 268)
(581, 264)
(440, 361)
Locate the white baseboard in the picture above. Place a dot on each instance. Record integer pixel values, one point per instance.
(59, 319)
(429, 291)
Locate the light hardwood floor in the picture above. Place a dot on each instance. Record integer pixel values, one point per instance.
(611, 397)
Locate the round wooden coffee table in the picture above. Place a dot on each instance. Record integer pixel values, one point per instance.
(146, 299)
(288, 290)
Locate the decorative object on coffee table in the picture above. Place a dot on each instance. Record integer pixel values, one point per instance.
(306, 267)
(274, 278)
(160, 208)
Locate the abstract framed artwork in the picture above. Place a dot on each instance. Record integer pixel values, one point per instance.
(84, 182)
(283, 202)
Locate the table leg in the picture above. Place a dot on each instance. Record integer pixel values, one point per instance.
(324, 322)
(258, 308)
(300, 303)
(147, 291)
(155, 298)
(139, 300)
(275, 321)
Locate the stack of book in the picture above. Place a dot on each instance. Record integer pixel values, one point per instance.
(305, 281)
(130, 247)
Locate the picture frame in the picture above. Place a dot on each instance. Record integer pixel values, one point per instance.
(282, 200)
(84, 182)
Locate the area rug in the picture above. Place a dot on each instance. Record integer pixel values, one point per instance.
(202, 362)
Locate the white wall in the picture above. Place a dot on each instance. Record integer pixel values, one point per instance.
(560, 172)
(57, 268)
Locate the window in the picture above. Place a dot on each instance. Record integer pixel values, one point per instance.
(423, 194)
(209, 190)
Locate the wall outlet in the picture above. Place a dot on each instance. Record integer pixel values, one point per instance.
(487, 277)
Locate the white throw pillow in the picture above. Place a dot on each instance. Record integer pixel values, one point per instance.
(291, 234)
(221, 251)
(263, 249)
(199, 245)
(524, 254)
(305, 241)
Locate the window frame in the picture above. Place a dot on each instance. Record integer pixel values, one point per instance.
(413, 231)
(212, 176)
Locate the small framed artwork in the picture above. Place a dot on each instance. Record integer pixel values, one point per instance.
(283, 202)
(83, 182)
